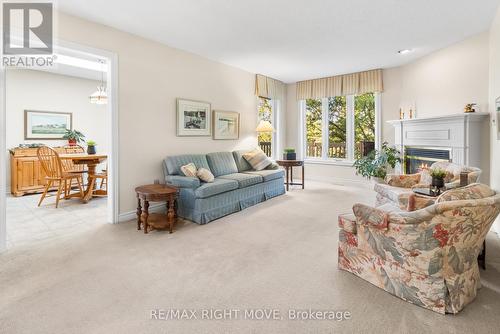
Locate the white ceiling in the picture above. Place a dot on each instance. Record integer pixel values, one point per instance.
(294, 40)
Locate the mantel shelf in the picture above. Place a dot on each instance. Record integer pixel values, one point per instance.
(443, 117)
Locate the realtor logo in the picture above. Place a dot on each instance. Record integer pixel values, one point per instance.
(27, 28)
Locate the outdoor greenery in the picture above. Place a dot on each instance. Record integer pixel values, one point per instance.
(364, 123)
(265, 114)
(74, 135)
(377, 162)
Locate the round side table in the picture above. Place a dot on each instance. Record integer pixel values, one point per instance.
(156, 193)
(288, 165)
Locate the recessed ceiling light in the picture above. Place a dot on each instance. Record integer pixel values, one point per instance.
(405, 51)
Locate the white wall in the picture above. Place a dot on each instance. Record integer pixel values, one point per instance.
(494, 93)
(43, 91)
(151, 77)
(438, 84)
(444, 81)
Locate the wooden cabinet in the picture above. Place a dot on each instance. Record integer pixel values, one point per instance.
(27, 175)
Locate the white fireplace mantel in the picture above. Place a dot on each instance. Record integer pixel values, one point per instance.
(463, 134)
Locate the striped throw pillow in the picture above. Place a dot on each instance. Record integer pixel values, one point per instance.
(257, 159)
(189, 169)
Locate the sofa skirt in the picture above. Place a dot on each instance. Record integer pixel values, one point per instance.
(204, 210)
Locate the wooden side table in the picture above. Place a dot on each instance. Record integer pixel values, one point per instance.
(288, 165)
(156, 193)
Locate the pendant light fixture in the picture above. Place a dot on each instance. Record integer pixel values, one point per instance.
(100, 96)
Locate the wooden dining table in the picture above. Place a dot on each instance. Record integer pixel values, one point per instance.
(91, 160)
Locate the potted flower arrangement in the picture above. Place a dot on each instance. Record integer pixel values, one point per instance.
(376, 163)
(438, 176)
(289, 154)
(73, 136)
(91, 147)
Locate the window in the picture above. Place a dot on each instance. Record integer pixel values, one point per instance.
(340, 128)
(267, 112)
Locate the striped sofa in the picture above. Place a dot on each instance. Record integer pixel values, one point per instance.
(236, 185)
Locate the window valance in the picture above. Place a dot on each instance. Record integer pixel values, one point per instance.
(269, 88)
(340, 85)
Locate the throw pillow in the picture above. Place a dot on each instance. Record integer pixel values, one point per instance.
(189, 170)
(205, 175)
(257, 159)
(273, 165)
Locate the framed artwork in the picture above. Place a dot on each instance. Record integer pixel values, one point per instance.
(46, 124)
(194, 118)
(226, 125)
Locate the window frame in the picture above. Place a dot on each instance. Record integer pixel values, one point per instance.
(275, 110)
(350, 142)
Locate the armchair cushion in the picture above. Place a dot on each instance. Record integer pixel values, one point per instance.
(473, 191)
(402, 181)
(183, 181)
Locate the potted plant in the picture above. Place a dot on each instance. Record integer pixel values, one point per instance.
(289, 154)
(73, 137)
(91, 147)
(438, 176)
(376, 163)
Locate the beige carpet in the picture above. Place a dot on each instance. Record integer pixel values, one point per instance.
(277, 255)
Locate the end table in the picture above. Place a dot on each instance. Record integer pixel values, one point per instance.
(156, 193)
(288, 165)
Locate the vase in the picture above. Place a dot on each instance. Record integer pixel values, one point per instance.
(437, 182)
(91, 150)
(289, 156)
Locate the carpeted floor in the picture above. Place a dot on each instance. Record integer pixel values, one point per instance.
(278, 255)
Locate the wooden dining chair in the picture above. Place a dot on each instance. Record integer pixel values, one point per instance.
(68, 164)
(55, 174)
(104, 179)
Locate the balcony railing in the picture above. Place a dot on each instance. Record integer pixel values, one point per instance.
(338, 150)
(266, 147)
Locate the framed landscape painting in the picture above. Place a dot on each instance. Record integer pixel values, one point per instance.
(226, 125)
(46, 124)
(193, 118)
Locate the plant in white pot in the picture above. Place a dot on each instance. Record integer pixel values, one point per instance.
(377, 163)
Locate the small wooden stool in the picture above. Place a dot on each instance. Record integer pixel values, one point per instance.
(156, 193)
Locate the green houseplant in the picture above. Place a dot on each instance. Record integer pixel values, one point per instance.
(376, 163)
(73, 136)
(91, 147)
(438, 176)
(289, 154)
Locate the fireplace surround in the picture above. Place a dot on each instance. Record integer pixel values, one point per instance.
(461, 139)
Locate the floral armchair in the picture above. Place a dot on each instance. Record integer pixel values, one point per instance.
(397, 188)
(426, 257)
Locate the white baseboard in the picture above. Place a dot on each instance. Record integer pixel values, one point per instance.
(132, 215)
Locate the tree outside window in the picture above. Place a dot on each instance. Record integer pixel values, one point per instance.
(340, 140)
(265, 113)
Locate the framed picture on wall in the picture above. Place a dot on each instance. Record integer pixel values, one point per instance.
(46, 124)
(194, 118)
(226, 125)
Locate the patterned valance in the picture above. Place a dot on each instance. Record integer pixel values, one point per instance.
(269, 88)
(347, 84)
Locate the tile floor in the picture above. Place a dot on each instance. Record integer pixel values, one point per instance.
(28, 224)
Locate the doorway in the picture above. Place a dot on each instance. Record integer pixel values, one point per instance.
(73, 62)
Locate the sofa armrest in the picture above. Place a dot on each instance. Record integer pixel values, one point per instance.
(402, 180)
(183, 181)
(367, 215)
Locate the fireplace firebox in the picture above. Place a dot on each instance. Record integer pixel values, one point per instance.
(419, 158)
